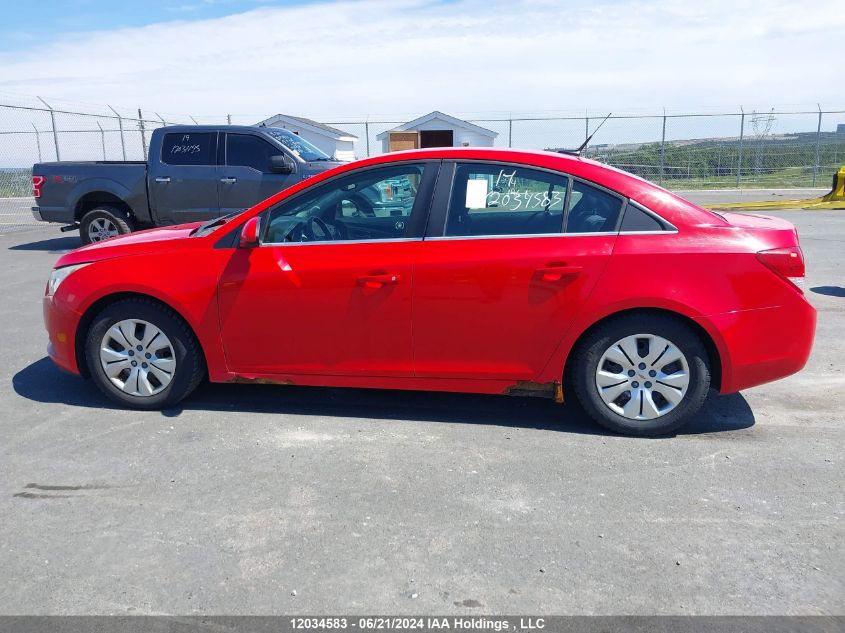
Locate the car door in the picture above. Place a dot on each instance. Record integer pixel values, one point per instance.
(245, 176)
(183, 183)
(510, 254)
(319, 297)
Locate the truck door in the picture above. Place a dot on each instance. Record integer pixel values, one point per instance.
(182, 178)
(244, 176)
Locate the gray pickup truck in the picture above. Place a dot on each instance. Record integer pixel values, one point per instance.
(193, 173)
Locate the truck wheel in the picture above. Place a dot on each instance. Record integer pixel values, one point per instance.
(644, 374)
(102, 223)
(143, 355)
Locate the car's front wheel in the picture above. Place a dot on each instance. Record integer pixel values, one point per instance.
(143, 355)
(644, 374)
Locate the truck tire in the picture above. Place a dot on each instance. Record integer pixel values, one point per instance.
(102, 223)
(143, 355)
(644, 374)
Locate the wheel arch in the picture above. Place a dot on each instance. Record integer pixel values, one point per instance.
(95, 199)
(714, 355)
(103, 302)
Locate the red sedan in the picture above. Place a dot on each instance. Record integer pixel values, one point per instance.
(473, 270)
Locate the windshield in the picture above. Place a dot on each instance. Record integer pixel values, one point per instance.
(297, 144)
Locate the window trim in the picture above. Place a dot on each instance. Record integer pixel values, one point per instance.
(428, 180)
(214, 150)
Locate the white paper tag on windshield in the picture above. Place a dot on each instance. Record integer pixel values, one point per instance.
(477, 194)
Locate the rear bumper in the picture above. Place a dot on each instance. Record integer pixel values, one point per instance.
(61, 325)
(762, 345)
(53, 214)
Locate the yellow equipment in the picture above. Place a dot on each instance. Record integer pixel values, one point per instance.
(833, 200)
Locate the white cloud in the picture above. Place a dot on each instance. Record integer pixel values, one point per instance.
(347, 59)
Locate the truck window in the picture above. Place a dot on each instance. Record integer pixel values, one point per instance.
(244, 150)
(189, 148)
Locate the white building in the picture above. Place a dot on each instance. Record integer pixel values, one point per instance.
(334, 142)
(436, 129)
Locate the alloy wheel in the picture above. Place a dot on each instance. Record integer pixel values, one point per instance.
(102, 229)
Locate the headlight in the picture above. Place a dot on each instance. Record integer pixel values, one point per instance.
(59, 275)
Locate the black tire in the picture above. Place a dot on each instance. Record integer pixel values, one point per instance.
(589, 352)
(116, 217)
(190, 363)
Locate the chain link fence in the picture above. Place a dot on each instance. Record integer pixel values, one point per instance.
(681, 151)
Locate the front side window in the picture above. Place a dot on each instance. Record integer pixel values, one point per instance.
(374, 204)
(245, 150)
(193, 148)
(592, 210)
(489, 199)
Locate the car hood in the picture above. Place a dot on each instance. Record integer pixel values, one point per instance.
(131, 244)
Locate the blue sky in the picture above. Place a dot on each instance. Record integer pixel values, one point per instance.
(342, 59)
(26, 24)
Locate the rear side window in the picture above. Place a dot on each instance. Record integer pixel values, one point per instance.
(490, 199)
(592, 210)
(245, 150)
(193, 148)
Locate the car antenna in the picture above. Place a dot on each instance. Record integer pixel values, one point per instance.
(587, 140)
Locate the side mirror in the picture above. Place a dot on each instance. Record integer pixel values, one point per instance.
(250, 233)
(281, 164)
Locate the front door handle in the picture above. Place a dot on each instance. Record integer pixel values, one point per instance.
(378, 280)
(229, 180)
(556, 272)
(163, 179)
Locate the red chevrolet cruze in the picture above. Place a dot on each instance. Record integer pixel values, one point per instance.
(474, 270)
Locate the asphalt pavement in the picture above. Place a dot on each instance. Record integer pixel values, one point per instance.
(268, 500)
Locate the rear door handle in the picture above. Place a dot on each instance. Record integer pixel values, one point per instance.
(229, 180)
(163, 179)
(556, 272)
(378, 280)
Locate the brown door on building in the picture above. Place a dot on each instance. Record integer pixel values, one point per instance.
(404, 140)
(437, 138)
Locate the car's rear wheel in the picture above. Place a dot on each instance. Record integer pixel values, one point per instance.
(644, 374)
(103, 223)
(143, 355)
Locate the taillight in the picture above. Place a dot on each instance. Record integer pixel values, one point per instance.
(786, 262)
(37, 183)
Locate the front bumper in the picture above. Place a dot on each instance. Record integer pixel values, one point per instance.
(61, 324)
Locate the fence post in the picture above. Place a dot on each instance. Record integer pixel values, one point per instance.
(53, 122)
(102, 139)
(37, 140)
(228, 119)
(510, 130)
(367, 134)
(586, 127)
(120, 125)
(739, 157)
(143, 135)
(818, 145)
(663, 148)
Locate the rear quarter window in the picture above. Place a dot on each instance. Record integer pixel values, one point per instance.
(637, 220)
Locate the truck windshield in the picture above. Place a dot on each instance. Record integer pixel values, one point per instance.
(297, 144)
